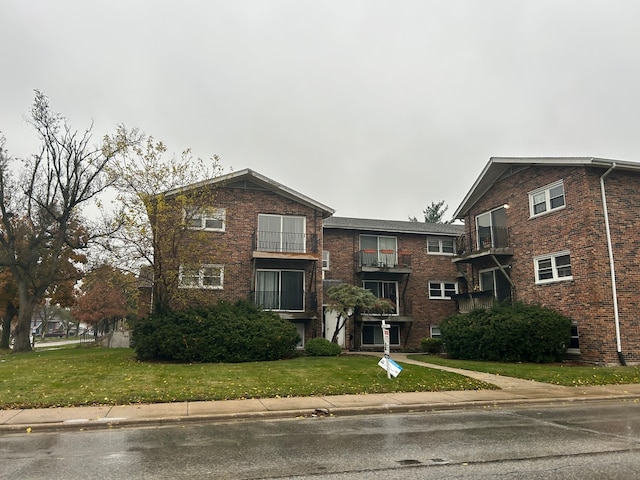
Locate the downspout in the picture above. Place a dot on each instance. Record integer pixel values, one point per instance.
(614, 290)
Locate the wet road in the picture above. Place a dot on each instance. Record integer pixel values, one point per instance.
(585, 441)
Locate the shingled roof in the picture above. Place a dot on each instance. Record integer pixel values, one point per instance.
(392, 226)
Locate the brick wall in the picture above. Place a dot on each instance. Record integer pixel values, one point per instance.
(343, 245)
(578, 228)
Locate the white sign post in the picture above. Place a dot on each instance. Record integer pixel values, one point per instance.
(389, 365)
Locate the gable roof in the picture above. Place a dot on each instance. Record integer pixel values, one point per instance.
(499, 167)
(249, 179)
(392, 226)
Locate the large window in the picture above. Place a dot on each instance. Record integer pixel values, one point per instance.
(206, 219)
(384, 289)
(442, 290)
(441, 245)
(379, 251)
(372, 334)
(491, 229)
(280, 289)
(493, 280)
(281, 233)
(553, 268)
(206, 276)
(547, 199)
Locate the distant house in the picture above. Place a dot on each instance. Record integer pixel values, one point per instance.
(563, 233)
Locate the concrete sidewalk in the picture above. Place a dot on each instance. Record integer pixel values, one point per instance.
(512, 391)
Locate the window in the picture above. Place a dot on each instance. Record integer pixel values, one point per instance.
(441, 245)
(281, 233)
(553, 268)
(378, 251)
(574, 342)
(442, 290)
(546, 199)
(207, 276)
(325, 260)
(372, 334)
(494, 280)
(212, 219)
(280, 289)
(382, 289)
(491, 229)
(435, 331)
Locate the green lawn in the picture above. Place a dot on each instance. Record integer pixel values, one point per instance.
(568, 374)
(94, 376)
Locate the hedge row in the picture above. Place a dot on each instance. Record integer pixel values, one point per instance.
(518, 333)
(239, 332)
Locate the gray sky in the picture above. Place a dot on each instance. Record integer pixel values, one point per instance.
(374, 108)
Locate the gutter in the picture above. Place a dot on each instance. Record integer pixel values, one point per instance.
(614, 290)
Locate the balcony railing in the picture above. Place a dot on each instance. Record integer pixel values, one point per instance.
(383, 258)
(285, 242)
(493, 237)
(294, 301)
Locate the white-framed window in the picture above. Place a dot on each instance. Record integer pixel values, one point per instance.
(210, 219)
(491, 229)
(441, 245)
(435, 331)
(442, 290)
(372, 334)
(494, 280)
(384, 289)
(281, 233)
(280, 289)
(325, 260)
(300, 327)
(554, 267)
(378, 251)
(206, 276)
(546, 199)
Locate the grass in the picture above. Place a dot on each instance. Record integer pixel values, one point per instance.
(94, 376)
(570, 375)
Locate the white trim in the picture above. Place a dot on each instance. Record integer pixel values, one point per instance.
(441, 251)
(546, 190)
(208, 213)
(201, 277)
(442, 289)
(553, 267)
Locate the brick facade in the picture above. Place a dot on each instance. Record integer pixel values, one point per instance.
(578, 228)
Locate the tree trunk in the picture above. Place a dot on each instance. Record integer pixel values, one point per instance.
(339, 326)
(22, 342)
(9, 313)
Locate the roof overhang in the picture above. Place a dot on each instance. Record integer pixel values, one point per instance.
(498, 167)
(247, 177)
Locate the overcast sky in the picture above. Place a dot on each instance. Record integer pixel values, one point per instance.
(374, 108)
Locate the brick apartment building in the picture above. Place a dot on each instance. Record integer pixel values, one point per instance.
(563, 233)
(408, 263)
(266, 242)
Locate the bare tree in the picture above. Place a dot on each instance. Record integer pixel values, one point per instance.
(41, 228)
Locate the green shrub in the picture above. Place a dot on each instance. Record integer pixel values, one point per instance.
(321, 347)
(233, 333)
(518, 333)
(431, 345)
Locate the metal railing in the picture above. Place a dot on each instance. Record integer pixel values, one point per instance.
(492, 237)
(383, 258)
(285, 242)
(283, 300)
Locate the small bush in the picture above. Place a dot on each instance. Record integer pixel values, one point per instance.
(233, 333)
(518, 333)
(431, 345)
(321, 347)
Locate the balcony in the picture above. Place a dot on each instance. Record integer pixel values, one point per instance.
(285, 245)
(285, 301)
(490, 241)
(371, 260)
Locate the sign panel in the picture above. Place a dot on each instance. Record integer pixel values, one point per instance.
(394, 368)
